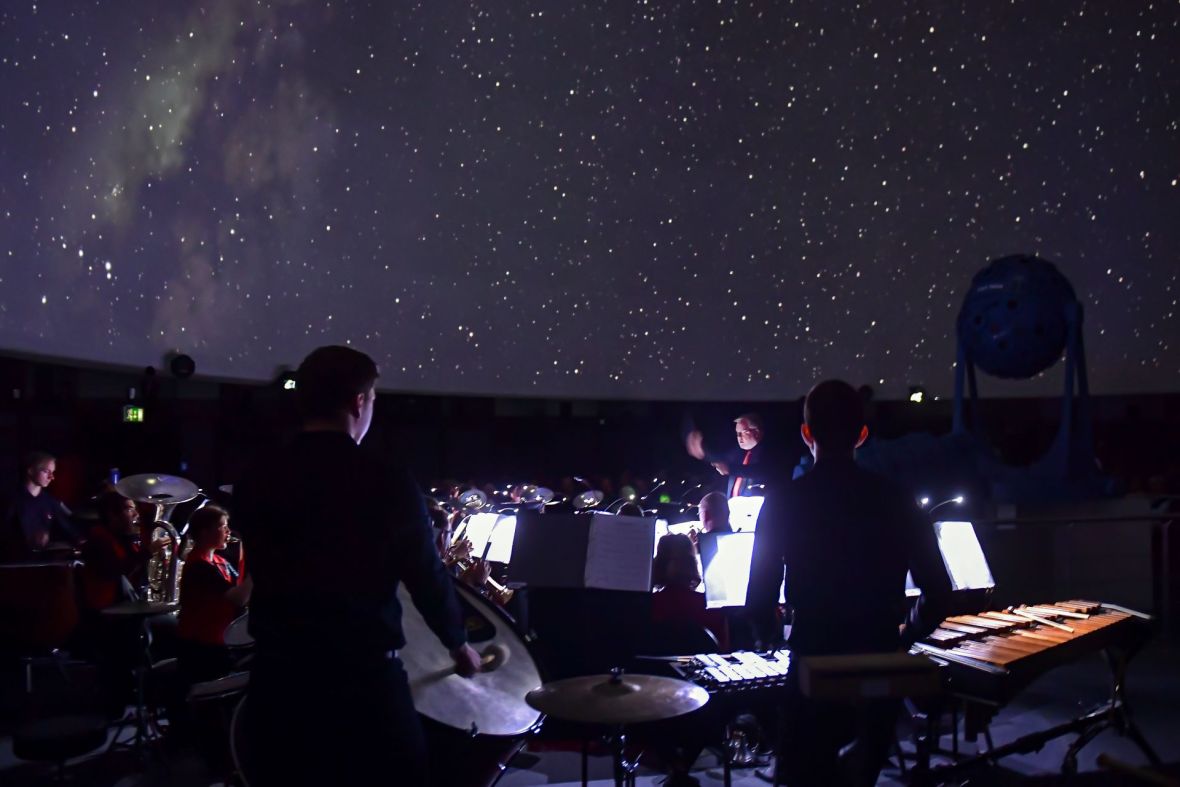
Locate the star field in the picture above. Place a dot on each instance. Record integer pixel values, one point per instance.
(702, 200)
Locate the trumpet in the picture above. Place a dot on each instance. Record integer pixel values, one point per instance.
(459, 554)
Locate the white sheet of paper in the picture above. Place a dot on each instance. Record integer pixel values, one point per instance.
(743, 513)
(618, 554)
(729, 573)
(500, 529)
(963, 556)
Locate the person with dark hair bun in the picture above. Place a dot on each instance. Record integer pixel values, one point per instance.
(676, 575)
(846, 538)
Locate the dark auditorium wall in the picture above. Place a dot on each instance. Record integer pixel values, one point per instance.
(209, 430)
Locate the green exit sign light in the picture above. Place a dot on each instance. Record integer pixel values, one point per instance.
(132, 414)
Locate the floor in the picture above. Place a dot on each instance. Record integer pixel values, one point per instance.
(1153, 692)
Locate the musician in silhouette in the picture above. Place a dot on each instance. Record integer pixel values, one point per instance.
(846, 538)
(331, 530)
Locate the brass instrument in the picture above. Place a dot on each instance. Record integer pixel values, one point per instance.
(164, 563)
(459, 554)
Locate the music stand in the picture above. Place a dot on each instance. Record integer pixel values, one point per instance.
(491, 535)
(966, 565)
(725, 568)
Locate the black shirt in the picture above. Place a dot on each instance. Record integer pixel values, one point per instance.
(761, 467)
(28, 517)
(846, 537)
(330, 530)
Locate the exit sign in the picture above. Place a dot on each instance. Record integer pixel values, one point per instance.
(132, 414)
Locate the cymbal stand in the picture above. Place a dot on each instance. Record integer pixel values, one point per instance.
(624, 769)
(142, 737)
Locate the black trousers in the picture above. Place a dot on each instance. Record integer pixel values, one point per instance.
(325, 721)
(826, 743)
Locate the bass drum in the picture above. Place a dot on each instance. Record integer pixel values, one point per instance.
(473, 726)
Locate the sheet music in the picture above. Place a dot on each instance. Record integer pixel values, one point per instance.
(726, 570)
(492, 533)
(963, 556)
(743, 513)
(618, 554)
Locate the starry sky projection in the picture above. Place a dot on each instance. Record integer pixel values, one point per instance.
(605, 199)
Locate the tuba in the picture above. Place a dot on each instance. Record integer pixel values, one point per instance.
(165, 563)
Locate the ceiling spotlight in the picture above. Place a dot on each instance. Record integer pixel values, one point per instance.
(917, 394)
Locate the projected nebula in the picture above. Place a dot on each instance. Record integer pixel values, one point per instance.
(612, 199)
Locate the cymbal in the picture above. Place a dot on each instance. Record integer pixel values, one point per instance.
(617, 699)
(157, 488)
(530, 493)
(473, 499)
(588, 499)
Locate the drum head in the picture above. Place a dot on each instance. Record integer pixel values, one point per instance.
(492, 702)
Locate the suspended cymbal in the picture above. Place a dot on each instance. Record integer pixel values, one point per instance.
(157, 488)
(588, 499)
(473, 499)
(617, 699)
(535, 494)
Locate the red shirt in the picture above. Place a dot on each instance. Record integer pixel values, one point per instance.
(106, 560)
(204, 610)
(674, 605)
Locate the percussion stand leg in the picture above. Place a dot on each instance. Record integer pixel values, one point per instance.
(585, 763)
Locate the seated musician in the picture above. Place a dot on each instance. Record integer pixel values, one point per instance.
(846, 538)
(713, 512)
(113, 565)
(212, 594)
(33, 519)
(113, 560)
(676, 576)
(477, 572)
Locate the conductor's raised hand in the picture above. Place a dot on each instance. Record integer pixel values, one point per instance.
(467, 662)
(694, 441)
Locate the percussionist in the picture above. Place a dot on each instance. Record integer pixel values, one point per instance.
(846, 538)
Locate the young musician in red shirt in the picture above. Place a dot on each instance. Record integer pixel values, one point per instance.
(676, 600)
(212, 594)
(113, 558)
